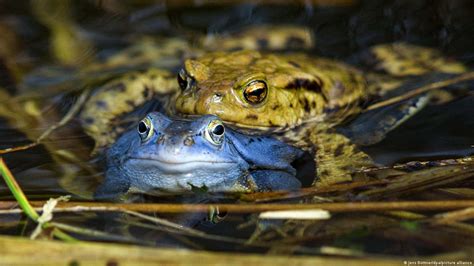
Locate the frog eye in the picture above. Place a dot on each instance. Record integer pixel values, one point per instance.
(145, 129)
(215, 132)
(183, 79)
(255, 92)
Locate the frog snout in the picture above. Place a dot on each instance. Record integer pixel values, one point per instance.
(160, 139)
(177, 141)
(174, 144)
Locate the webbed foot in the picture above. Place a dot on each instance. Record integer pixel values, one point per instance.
(337, 158)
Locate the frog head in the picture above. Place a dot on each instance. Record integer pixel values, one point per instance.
(251, 89)
(176, 155)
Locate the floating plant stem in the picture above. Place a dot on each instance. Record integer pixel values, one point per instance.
(25, 204)
(17, 192)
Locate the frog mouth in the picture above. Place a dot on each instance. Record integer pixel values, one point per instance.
(180, 167)
(250, 129)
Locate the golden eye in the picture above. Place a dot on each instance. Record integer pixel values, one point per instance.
(215, 132)
(255, 92)
(145, 129)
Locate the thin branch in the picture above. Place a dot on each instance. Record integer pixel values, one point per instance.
(423, 89)
(422, 164)
(454, 216)
(19, 148)
(69, 115)
(249, 208)
(25, 204)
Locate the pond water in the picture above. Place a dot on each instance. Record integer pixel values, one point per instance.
(40, 72)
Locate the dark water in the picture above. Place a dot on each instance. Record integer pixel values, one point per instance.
(438, 132)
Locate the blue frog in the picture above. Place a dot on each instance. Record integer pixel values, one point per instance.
(171, 156)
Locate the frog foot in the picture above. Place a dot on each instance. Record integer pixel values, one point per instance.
(337, 158)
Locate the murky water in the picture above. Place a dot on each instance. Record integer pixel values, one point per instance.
(438, 132)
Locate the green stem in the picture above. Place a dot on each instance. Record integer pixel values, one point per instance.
(63, 236)
(25, 204)
(17, 192)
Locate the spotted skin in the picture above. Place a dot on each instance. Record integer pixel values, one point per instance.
(262, 38)
(403, 59)
(103, 111)
(311, 94)
(303, 92)
(335, 155)
(306, 98)
(319, 89)
(122, 96)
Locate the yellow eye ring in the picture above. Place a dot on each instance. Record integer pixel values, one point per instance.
(255, 92)
(145, 129)
(215, 132)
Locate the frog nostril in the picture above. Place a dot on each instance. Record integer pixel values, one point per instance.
(188, 141)
(217, 97)
(160, 140)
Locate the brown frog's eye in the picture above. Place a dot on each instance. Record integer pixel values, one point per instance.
(183, 79)
(255, 92)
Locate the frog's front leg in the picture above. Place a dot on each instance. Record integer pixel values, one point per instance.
(114, 186)
(336, 158)
(121, 96)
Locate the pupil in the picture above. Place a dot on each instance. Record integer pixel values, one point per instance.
(218, 130)
(256, 93)
(142, 128)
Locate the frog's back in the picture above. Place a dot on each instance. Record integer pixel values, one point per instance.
(343, 88)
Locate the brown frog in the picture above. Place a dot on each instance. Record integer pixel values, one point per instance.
(301, 98)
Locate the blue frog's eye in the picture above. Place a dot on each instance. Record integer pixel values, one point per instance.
(145, 129)
(215, 131)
